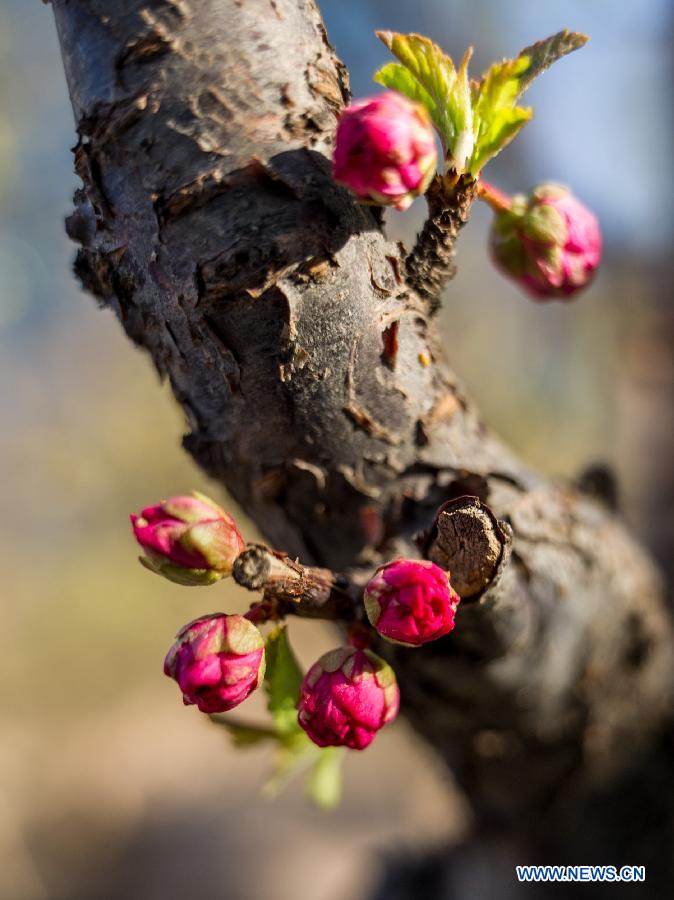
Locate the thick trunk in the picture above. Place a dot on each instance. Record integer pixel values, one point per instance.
(315, 391)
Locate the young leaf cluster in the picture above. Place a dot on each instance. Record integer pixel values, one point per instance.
(475, 119)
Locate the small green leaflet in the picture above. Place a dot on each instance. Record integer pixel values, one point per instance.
(475, 120)
(243, 735)
(325, 782)
(396, 77)
(543, 54)
(282, 681)
(497, 118)
(295, 753)
(428, 76)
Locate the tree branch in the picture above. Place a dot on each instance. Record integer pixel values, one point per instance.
(267, 296)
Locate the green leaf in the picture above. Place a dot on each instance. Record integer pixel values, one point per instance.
(325, 782)
(397, 78)
(245, 735)
(503, 126)
(496, 117)
(541, 55)
(432, 68)
(499, 89)
(475, 120)
(436, 84)
(282, 681)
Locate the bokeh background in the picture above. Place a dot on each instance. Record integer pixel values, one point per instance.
(109, 788)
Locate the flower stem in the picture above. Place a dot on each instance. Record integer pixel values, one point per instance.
(498, 200)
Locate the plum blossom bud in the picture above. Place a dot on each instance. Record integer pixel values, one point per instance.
(189, 540)
(346, 697)
(411, 601)
(217, 660)
(385, 150)
(548, 242)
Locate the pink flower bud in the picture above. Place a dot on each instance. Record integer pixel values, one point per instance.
(217, 661)
(346, 697)
(385, 150)
(548, 242)
(411, 602)
(189, 540)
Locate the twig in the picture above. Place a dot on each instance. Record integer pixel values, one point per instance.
(431, 263)
(289, 588)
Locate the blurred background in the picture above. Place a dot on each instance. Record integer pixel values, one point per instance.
(109, 788)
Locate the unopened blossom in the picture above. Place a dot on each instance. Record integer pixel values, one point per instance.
(548, 242)
(217, 661)
(188, 539)
(411, 601)
(346, 697)
(385, 150)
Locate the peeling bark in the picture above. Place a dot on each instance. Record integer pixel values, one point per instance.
(314, 389)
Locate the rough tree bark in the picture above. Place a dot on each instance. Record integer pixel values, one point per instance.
(314, 388)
